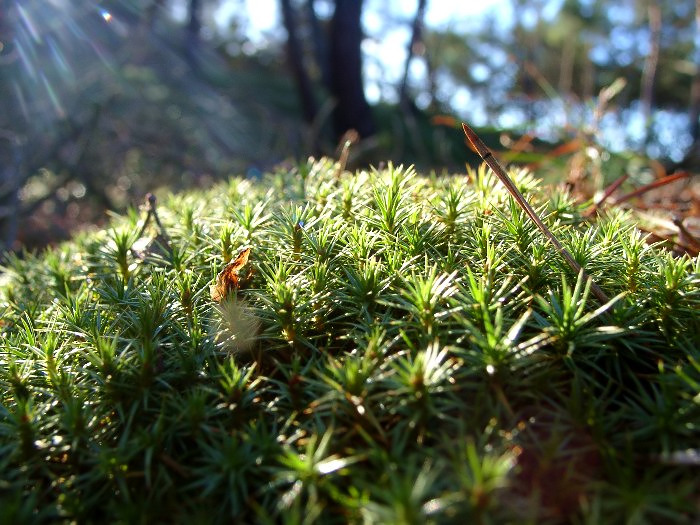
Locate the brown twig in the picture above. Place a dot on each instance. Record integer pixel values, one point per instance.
(486, 155)
(655, 237)
(158, 243)
(609, 191)
(151, 199)
(685, 238)
(150, 207)
(653, 185)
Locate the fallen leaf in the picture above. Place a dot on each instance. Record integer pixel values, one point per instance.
(228, 279)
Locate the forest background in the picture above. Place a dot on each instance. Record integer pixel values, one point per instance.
(105, 101)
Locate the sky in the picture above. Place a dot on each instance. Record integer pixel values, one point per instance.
(264, 14)
(387, 42)
(385, 48)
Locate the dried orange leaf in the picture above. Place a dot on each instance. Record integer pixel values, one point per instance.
(228, 279)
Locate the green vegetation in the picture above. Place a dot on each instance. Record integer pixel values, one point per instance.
(421, 356)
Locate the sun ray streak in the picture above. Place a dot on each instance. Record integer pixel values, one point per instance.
(21, 99)
(76, 29)
(26, 60)
(28, 23)
(100, 52)
(59, 59)
(60, 111)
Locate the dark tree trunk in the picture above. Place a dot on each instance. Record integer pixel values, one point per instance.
(691, 159)
(296, 63)
(352, 110)
(153, 11)
(650, 65)
(320, 44)
(413, 49)
(194, 25)
(11, 143)
(566, 67)
(11, 180)
(694, 112)
(589, 75)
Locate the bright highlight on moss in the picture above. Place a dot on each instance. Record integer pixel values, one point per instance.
(235, 326)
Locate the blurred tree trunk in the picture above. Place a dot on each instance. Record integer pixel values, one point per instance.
(589, 74)
(415, 47)
(296, 63)
(407, 105)
(11, 173)
(11, 180)
(691, 159)
(194, 25)
(153, 12)
(651, 63)
(694, 113)
(566, 67)
(352, 110)
(524, 49)
(320, 44)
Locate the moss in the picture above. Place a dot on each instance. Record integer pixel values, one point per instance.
(414, 352)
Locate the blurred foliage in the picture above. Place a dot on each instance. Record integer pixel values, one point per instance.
(108, 101)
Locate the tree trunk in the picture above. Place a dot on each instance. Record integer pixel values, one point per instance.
(320, 44)
(694, 112)
(11, 142)
(352, 110)
(432, 80)
(566, 67)
(194, 25)
(296, 63)
(11, 180)
(416, 41)
(588, 84)
(153, 12)
(651, 63)
(691, 159)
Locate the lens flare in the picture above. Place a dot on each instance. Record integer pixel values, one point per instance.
(19, 95)
(58, 58)
(64, 52)
(29, 23)
(53, 97)
(26, 60)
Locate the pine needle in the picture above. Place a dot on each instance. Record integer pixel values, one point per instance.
(486, 155)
